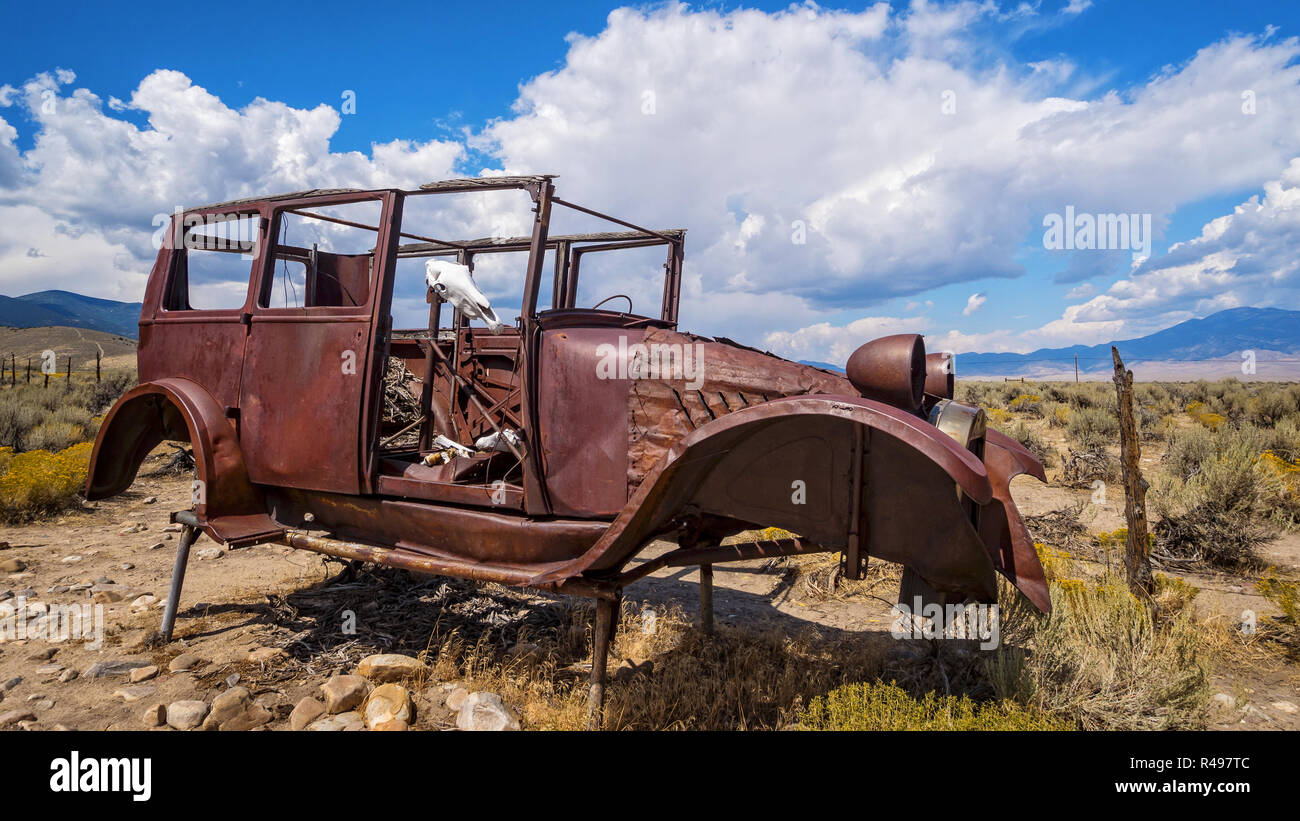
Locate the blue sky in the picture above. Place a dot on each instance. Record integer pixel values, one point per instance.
(1105, 106)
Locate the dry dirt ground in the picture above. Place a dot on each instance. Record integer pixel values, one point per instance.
(239, 601)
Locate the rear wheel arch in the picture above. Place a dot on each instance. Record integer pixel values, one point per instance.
(177, 410)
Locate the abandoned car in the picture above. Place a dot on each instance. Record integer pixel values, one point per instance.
(547, 452)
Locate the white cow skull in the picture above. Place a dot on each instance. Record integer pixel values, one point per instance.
(454, 283)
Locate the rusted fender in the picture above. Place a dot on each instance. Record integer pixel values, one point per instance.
(230, 507)
(1009, 543)
(751, 465)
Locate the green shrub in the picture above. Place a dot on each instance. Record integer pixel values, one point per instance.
(1092, 427)
(879, 706)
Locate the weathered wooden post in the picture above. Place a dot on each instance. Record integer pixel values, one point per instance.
(98, 354)
(29, 370)
(1137, 553)
(68, 386)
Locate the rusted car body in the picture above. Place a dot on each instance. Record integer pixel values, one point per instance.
(629, 430)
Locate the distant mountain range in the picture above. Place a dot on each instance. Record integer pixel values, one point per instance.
(1213, 346)
(1198, 348)
(49, 308)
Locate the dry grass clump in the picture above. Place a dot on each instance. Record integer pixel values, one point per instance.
(820, 577)
(666, 677)
(1103, 659)
(36, 418)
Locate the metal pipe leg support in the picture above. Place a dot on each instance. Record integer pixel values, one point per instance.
(606, 624)
(188, 535)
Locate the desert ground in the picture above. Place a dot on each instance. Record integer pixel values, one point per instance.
(273, 638)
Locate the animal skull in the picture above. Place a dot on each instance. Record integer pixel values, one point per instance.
(454, 283)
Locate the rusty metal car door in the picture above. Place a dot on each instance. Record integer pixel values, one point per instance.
(311, 360)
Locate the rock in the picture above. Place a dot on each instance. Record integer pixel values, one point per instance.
(67, 675)
(187, 714)
(144, 602)
(49, 669)
(1285, 706)
(342, 721)
(343, 693)
(136, 527)
(261, 655)
(456, 698)
(73, 559)
(133, 694)
(43, 655)
(140, 674)
(208, 553)
(226, 706)
(157, 545)
(15, 716)
(232, 679)
(485, 711)
(304, 713)
(12, 683)
(106, 597)
(126, 566)
(12, 566)
(184, 662)
(1226, 699)
(150, 500)
(173, 528)
(59, 588)
(388, 702)
(386, 667)
(155, 715)
(249, 719)
(395, 725)
(122, 667)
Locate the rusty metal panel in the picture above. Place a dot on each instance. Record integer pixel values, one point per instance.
(583, 443)
(300, 404)
(731, 377)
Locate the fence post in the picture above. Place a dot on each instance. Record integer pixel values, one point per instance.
(68, 386)
(29, 370)
(98, 354)
(1137, 553)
